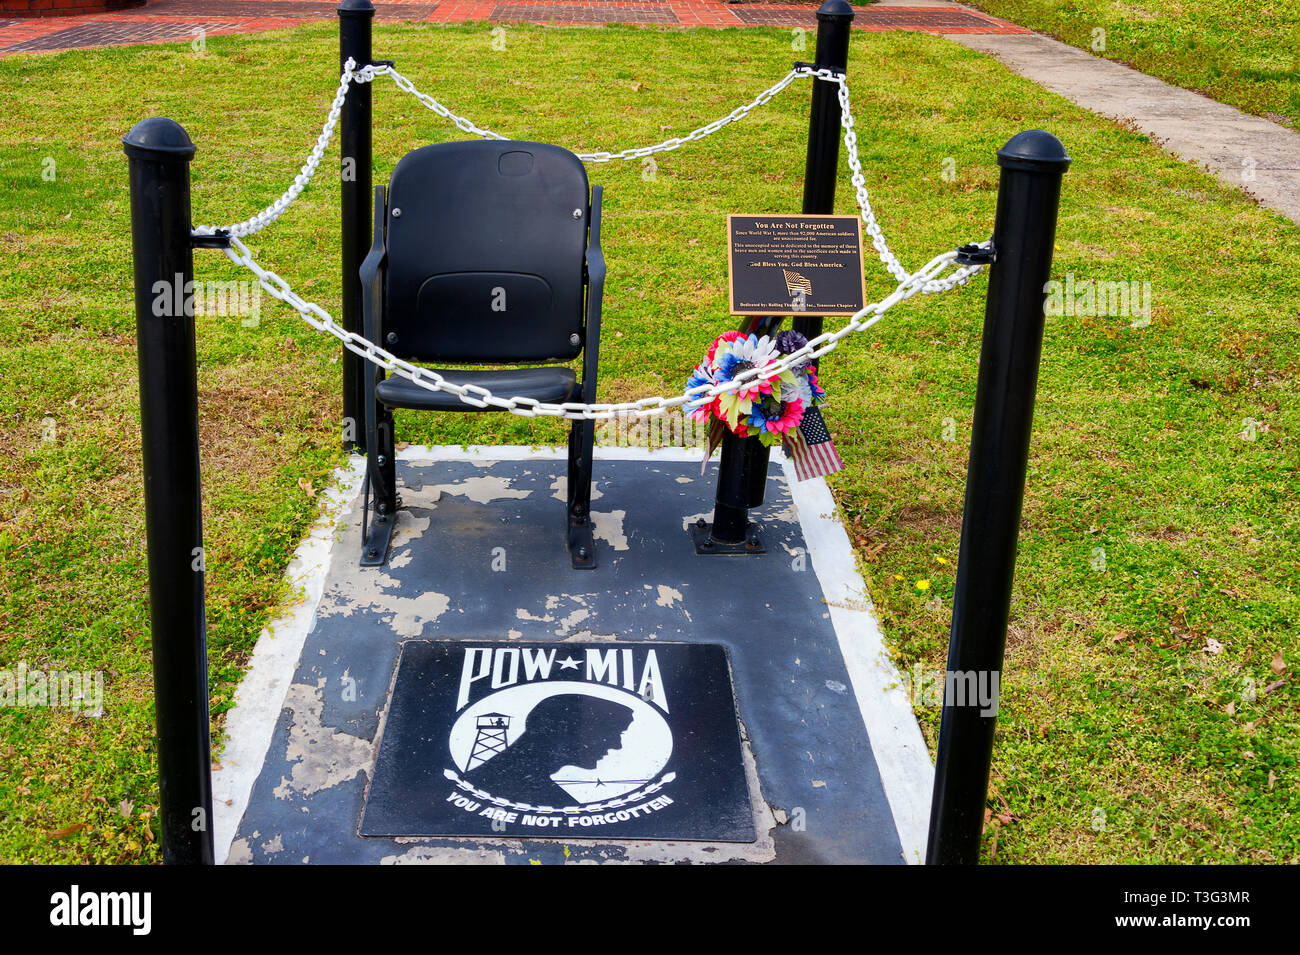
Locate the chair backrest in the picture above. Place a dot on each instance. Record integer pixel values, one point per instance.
(486, 243)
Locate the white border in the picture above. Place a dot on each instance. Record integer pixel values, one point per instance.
(250, 723)
(906, 772)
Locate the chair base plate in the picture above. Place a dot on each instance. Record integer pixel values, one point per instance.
(581, 543)
(706, 546)
(440, 585)
(375, 549)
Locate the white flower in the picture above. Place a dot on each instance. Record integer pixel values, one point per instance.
(757, 351)
(800, 390)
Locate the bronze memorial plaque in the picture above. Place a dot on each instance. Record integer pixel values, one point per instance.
(795, 264)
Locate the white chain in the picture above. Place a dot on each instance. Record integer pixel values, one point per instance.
(367, 74)
(639, 152)
(276, 209)
(463, 124)
(695, 135)
(860, 185)
(587, 808)
(927, 281)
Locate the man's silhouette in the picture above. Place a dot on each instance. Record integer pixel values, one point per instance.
(569, 729)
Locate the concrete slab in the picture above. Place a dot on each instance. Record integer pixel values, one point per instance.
(1247, 151)
(835, 766)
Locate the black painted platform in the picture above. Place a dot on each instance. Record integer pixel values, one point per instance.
(811, 777)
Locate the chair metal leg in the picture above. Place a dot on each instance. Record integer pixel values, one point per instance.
(578, 537)
(381, 474)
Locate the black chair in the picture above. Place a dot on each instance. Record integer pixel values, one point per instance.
(484, 253)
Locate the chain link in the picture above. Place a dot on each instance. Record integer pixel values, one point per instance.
(461, 123)
(638, 152)
(585, 809)
(276, 209)
(695, 135)
(873, 230)
(930, 279)
(926, 280)
(367, 74)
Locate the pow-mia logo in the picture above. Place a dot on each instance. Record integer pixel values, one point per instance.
(561, 740)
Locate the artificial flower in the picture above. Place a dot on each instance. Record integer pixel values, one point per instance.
(743, 355)
(776, 417)
(724, 338)
(788, 342)
(757, 351)
(810, 372)
(699, 407)
(769, 408)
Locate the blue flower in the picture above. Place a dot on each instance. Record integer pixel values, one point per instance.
(701, 376)
(775, 417)
(728, 367)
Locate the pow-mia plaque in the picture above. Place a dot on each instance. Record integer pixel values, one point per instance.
(561, 740)
(795, 265)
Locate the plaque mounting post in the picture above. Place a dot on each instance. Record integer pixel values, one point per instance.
(742, 473)
(834, 23)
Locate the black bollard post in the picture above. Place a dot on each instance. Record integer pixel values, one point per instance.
(1023, 233)
(355, 21)
(159, 153)
(834, 26)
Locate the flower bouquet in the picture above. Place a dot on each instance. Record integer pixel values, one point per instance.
(778, 410)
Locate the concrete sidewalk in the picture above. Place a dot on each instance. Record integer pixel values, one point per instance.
(177, 20)
(1261, 157)
(1246, 151)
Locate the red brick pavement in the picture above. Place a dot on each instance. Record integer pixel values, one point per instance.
(171, 21)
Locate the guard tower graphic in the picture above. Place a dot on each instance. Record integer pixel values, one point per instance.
(489, 740)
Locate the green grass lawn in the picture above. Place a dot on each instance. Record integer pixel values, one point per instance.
(1129, 730)
(1245, 54)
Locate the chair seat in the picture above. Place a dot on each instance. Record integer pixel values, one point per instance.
(554, 384)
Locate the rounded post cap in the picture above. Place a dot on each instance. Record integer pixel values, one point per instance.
(158, 138)
(355, 8)
(1035, 150)
(835, 10)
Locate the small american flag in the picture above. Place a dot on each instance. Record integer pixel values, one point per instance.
(797, 284)
(811, 449)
